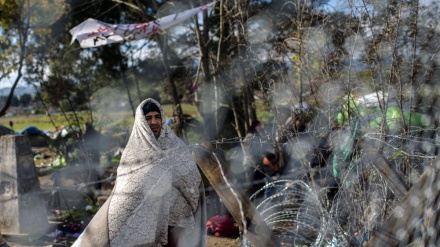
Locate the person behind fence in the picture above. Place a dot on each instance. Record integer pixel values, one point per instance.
(254, 149)
(90, 154)
(92, 140)
(158, 198)
(271, 171)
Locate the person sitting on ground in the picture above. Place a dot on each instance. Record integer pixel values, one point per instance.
(158, 198)
(271, 170)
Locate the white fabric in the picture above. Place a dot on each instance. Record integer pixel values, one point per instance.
(158, 185)
(93, 33)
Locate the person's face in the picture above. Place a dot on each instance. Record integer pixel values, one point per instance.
(259, 128)
(154, 120)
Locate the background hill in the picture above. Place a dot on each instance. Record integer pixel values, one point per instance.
(19, 91)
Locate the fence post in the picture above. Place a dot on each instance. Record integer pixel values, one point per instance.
(22, 210)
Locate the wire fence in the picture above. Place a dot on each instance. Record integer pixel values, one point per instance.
(329, 191)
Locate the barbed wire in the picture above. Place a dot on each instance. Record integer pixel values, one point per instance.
(381, 138)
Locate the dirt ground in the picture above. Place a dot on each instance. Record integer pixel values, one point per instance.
(222, 242)
(212, 241)
(46, 184)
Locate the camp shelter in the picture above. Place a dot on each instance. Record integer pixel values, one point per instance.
(6, 131)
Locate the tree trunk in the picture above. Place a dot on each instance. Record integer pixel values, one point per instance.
(235, 200)
(416, 218)
(176, 100)
(394, 181)
(19, 73)
(130, 100)
(210, 131)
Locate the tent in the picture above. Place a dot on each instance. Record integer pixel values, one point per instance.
(31, 130)
(6, 131)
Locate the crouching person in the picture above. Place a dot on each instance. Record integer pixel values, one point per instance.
(271, 170)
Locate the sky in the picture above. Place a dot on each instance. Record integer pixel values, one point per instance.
(7, 82)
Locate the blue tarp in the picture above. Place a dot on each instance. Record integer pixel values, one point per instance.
(31, 130)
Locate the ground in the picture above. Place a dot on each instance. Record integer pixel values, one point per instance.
(212, 241)
(46, 183)
(222, 242)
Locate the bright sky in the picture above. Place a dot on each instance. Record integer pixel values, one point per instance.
(330, 6)
(7, 82)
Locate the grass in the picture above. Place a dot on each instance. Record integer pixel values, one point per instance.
(20, 122)
(103, 121)
(115, 121)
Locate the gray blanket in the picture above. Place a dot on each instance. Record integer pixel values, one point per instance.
(158, 185)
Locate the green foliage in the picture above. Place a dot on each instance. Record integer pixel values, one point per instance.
(9, 13)
(41, 121)
(25, 99)
(195, 135)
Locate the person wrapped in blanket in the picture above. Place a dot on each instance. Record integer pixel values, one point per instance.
(158, 198)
